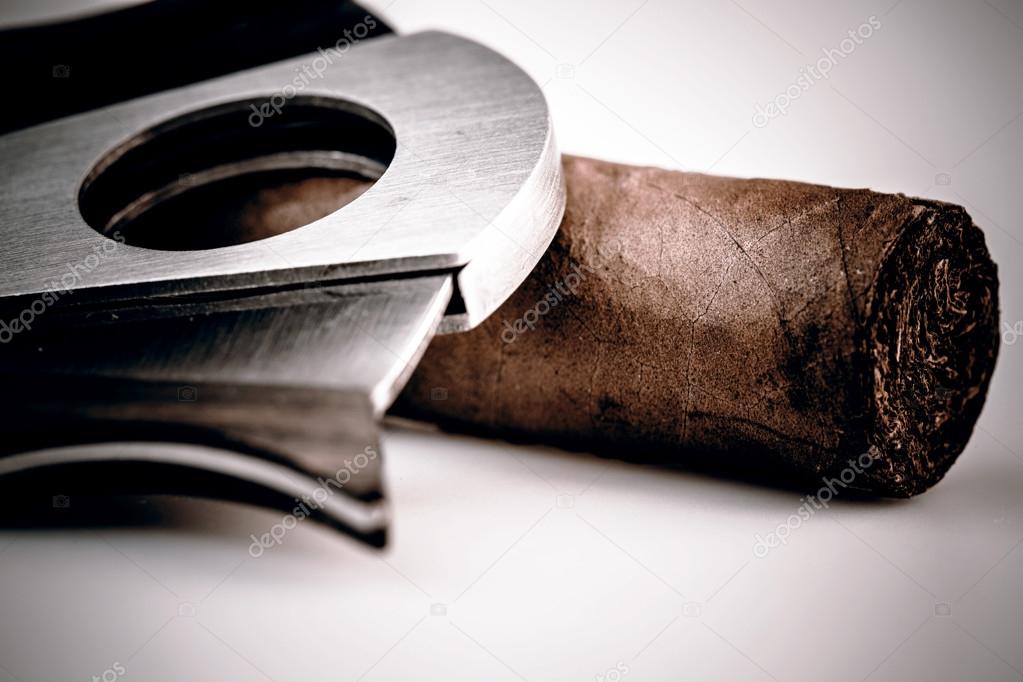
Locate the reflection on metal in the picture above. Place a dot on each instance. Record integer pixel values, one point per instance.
(272, 359)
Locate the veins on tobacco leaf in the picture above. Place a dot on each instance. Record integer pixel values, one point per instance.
(785, 223)
(573, 398)
(771, 291)
(588, 328)
(845, 270)
(810, 300)
(594, 415)
(693, 322)
(760, 273)
(789, 220)
(498, 380)
(692, 348)
(739, 408)
(783, 323)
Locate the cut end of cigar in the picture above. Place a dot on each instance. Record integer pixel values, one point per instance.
(932, 339)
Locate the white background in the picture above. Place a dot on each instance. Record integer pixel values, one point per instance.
(526, 563)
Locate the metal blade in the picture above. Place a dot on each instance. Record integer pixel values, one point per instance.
(288, 393)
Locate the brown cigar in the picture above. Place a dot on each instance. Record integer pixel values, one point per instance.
(754, 326)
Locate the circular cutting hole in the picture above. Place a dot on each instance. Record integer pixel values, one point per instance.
(211, 178)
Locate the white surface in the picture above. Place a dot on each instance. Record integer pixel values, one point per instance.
(648, 569)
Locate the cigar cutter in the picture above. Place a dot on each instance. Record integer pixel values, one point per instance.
(148, 344)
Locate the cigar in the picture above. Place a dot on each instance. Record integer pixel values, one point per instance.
(753, 326)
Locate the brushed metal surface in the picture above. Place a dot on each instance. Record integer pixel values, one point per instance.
(292, 346)
(474, 188)
(272, 394)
